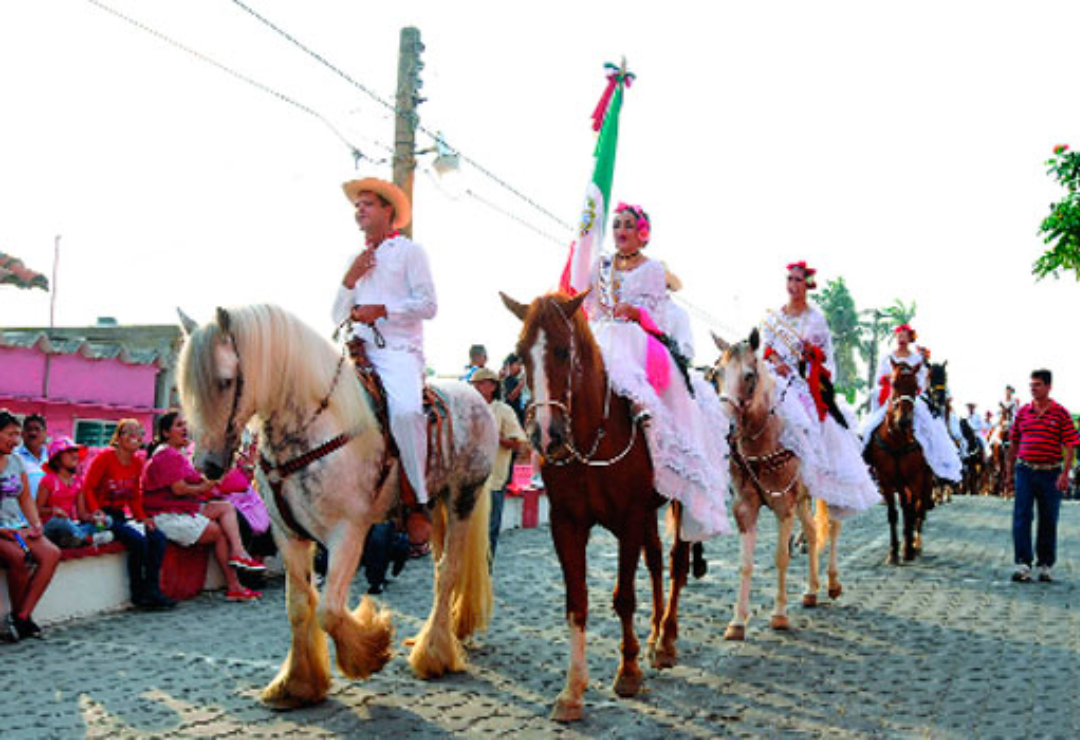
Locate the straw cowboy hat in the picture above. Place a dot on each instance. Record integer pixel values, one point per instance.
(388, 190)
(484, 374)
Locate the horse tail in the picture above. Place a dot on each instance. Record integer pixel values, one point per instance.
(472, 601)
(821, 524)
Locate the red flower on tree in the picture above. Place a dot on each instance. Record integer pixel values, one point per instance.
(1061, 149)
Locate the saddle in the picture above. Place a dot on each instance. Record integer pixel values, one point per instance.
(436, 409)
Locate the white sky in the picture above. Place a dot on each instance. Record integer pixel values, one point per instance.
(900, 146)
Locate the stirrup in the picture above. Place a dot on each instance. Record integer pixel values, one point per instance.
(643, 417)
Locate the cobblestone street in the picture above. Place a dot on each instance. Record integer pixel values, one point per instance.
(945, 648)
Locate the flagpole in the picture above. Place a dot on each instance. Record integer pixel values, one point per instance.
(52, 298)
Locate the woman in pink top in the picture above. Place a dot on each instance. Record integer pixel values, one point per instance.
(58, 500)
(175, 495)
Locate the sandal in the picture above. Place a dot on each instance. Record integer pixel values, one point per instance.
(244, 594)
(249, 564)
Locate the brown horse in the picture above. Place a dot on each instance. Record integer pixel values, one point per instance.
(764, 473)
(596, 470)
(898, 464)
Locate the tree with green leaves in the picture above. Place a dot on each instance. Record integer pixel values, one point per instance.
(839, 308)
(1061, 229)
(876, 327)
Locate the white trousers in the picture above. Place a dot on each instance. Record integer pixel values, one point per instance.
(402, 375)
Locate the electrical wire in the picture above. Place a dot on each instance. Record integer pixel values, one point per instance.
(419, 127)
(353, 149)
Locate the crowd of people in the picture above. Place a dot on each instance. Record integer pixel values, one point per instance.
(54, 497)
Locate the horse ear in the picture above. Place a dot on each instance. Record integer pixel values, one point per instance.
(187, 324)
(720, 343)
(755, 340)
(894, 363)
(518, 309)
(223, 319)
(944, 364)
(571, 306)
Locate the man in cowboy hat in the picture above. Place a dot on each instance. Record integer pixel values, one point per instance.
(387, 292)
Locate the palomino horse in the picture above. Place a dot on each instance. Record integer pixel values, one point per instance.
(325, 459)
(596, 470)
(898, 464)
(765, 473)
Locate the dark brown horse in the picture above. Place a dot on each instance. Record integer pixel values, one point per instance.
(898, 464)
(596, 470)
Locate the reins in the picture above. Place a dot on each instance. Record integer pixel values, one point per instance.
(574, 454)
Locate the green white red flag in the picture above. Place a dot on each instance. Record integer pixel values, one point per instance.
(585, 250)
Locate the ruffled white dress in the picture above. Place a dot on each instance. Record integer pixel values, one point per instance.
(831, 456)
(687, 436)
(930, 432)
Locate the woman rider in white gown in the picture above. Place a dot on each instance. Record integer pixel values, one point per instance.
(798, 348)
(930, 431)
(628, 308)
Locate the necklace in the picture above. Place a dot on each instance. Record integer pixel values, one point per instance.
(625, 258)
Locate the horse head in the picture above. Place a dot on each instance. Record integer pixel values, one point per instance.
(557, 349)
(900, 414)
(738, 375)
(211, 388)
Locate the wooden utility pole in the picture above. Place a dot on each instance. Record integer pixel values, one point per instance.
(406, 118)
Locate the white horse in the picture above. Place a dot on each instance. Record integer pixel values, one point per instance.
(323, 457)
(766, 473)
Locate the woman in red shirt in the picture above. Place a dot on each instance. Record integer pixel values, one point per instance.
(113, 487)
(176, 496)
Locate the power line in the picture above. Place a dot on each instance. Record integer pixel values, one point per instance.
(423, 129)
(353, 149)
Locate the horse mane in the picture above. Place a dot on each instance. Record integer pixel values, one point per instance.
(283, 360)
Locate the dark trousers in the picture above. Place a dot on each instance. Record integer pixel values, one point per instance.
(145, 553)
(1036, 489)
(498, 498)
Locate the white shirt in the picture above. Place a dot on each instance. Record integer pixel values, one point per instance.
(401, 281)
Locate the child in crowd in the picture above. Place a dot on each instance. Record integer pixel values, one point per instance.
(60, 499)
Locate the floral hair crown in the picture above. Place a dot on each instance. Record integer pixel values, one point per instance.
(644, 228)
(908, 329)
(811, 283)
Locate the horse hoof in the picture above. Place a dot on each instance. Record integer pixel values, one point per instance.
(909, 555)
(735, 632)
(809, 601)
(566, 710)
(780, 623)
(835, 591)
(892, 559)
(665, 657)
(278, 695)
(628, 682)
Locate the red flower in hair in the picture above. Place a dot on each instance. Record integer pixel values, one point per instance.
(1061, 149)
(908, 329)
(807, 270)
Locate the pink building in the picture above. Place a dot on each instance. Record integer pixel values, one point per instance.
(83, 380)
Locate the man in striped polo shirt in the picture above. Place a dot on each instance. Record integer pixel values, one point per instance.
(1040, 431)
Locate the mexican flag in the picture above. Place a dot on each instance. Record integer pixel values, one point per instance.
(585, 250)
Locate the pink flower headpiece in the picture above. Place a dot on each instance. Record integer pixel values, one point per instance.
(811, 283)
(908, 329)
(643, 226)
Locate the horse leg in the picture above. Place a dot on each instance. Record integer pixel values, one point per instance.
(436, 649)
(570, 540)
(304, 677)
(813, 550)
(835, 588)
(783, 558)
(912, 504)
(894, 541)
(666, 654)
(654, 561)
(736, 629)
(363, 636)
(628, 678)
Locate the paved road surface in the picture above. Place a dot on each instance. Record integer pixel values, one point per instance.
(945, 648)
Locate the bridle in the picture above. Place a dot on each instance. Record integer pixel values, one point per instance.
(569, 453)
(912, 445)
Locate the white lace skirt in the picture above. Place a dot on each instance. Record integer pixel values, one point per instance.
(930, 432)
(831, 456)
(687, 436)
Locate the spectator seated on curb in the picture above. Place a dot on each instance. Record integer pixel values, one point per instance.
(176, 496)
(28, 557)
(61, 505)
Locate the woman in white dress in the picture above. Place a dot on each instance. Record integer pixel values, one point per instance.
(930, 432)
(798, 348)
(629, 313)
